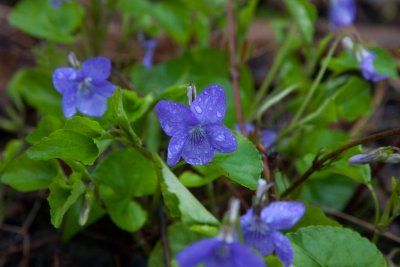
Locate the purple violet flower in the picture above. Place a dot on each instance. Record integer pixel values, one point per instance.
(267, 137)
(342, 13)
(214, 252)
(150, 46)
(85, 89)
(366, 62)
(387, 154)
(197, 131)
(262, 232)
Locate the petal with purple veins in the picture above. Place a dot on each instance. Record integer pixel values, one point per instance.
(174, 117)
(97, 68)
(256, 234)
(221, 138)
(90, 103)
(197, 152)
(65, 79)
(282, 214)
(197, 252)
(283, 248)
(210, 105)
(175, 147)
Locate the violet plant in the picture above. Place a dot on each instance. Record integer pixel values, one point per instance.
(109, 143)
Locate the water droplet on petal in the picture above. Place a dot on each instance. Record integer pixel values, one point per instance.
(220, 138)
(60, 75)
(198, 109)
(219, 115)
(167, 128)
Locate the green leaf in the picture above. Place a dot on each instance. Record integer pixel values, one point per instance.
(325, 246)
(85, 126)
(313, 216)
(181, 235)
(181, 203)
(11, 151)
(124, 212)
(174, 18)
(70, 226)
(128, 172)
(40, 19)
(25, 174)
(36, 88)
(191, 179)
(63, 194)
(305, 14)
(346, 61)
(243, 166)
(384, 63)
(46, 126)
(65, 144)
(134, 106)
(353, 99)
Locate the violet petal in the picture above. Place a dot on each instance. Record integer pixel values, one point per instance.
(97, 68)
(221, 138)
(283, 248)
(175, 147)
(199, 152)
(65, 79)
(196, 253)
(282, 214)
(174, 117)
(210, 105)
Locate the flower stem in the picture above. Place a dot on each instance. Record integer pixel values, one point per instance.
(314, 86)
(319, 163)
(234, 65)
(283, 51)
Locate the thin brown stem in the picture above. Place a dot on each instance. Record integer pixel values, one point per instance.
(319, 163)
(234, 65)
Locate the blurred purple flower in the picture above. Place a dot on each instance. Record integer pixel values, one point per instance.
(267, 137)
(262, 231)
(366, 61)
(196, 131)
(150, 46)
(342, 13)
(57, 3)
(85, 89)
(214, 252)
(387, 154)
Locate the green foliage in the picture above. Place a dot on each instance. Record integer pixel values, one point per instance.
(128, 172)
(40, 19)
(305, 14)
(64, 192)
(182, 204)
(25, 174)
(35, 87)
(318, 246)
(313, 216)
(242, 166)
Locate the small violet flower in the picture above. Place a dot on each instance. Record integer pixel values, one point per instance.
(215, 252)
(342, 13)
(366, 59)
(150, 47)
(267, 137)
(85, 89)
(262, 231)
(197, 131)
(387, 154)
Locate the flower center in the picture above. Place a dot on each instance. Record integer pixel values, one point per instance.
(85, 87)
(197, 134)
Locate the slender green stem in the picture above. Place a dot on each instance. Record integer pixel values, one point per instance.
(317, 81)
(211, 198)
(283, 51)
(376, 206)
